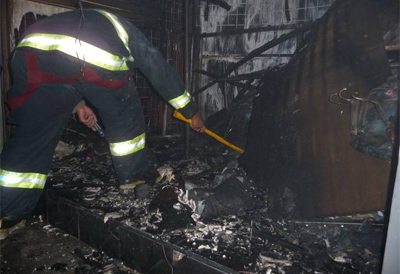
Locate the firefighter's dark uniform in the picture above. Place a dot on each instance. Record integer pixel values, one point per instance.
(60, 60)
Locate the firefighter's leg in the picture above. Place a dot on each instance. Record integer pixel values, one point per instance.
(26, 158)
(121, 113)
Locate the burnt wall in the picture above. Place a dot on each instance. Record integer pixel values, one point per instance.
(299, 140)
(221, 50)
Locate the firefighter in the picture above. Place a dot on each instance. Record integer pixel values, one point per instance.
(60, 60)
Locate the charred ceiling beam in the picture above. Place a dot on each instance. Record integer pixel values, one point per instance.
(259, 51)
(136, 11)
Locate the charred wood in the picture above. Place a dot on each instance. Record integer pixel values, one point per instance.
(237, 84)
(241, 77)
(206, 11)
(275, 55)
(207, 73)
(287, 11)
(226, 114)
(245, 88)
(250, 30)
(259, 51)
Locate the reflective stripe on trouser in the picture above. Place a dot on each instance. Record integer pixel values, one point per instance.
(19, 193)
(22, 180)
(122, 117)
(128, 147)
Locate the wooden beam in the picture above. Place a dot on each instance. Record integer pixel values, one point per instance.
(5, 52)
(241, 77)
(5, 44)
(207, 73)
(259, 51)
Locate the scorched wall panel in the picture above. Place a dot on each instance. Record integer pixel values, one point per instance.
(301, 144)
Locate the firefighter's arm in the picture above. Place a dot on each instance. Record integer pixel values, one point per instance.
(163, 77)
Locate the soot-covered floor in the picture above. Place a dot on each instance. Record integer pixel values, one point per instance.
(42, 248)
(205, 204)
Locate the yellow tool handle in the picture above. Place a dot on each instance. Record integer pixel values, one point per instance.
(222, 140)
(179, 116)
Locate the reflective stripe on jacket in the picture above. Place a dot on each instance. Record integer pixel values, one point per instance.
(22, 180)
(75, 48)
(79, 49)
(181, 101)
(122, 34)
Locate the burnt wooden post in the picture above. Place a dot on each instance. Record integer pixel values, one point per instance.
(6, 79)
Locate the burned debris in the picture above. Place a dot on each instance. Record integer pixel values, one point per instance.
(205, 205)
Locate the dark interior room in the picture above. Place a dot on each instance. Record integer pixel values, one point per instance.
(199, 136)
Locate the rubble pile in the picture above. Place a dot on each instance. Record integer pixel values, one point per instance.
(206, 204)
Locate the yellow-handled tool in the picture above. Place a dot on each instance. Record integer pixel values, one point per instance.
(179, 116)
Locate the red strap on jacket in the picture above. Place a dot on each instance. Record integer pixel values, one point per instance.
(37, 77)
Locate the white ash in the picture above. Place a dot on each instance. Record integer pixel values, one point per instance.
(112, 215)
